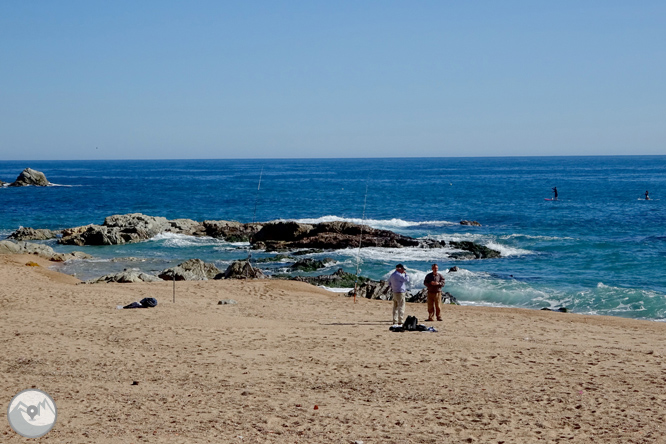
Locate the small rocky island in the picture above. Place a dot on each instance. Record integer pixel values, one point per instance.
(28, 177)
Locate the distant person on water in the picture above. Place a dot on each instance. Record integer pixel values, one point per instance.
(554, 193)
(434, 282)
(398, 282)
(647, 195)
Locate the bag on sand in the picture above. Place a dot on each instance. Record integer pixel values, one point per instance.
(148, 302)
(410, 323)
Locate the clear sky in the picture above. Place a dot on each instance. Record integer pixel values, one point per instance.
(219, 79)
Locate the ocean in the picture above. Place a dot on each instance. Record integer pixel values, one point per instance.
(599, 249)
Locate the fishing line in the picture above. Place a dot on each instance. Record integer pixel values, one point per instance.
(360, 240)
(254, 216)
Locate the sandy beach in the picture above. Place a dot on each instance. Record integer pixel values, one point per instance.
(293, 363)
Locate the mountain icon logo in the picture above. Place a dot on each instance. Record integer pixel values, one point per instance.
(32, 413)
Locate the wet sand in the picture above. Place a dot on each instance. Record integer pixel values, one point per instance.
(292, 363)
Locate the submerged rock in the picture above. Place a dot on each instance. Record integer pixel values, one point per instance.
(478, 251)
(30, 177)
(472, 223)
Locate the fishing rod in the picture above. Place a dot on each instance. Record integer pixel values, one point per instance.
(256, 199)
(360, 240)
(254, 216)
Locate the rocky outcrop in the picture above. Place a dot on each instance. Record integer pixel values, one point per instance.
(137, 227)
(277, 236)
(272, 236)
(241, 270)
(186, 226)
(373, 290)
(43, 251)
(30, 177)
(476, 251)
(471, 223)
(27, 233)
(191, 270)
(125, 277)
(116, 230)
(231, 231)
(339, 279)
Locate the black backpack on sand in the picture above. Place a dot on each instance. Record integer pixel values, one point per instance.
(410, 323)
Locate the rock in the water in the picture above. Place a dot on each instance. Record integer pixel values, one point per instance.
(479, 251)
(117, 230)
(277, 236)
(125, 277)
(27, 233)
(454, 269)
(191, 270)
(186, 226)
(472, 223)
(241, 270)
(30, 177)
(230, 231)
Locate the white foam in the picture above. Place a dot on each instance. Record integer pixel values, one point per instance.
(529, 236)
(506, 251)
(176, 240)
(375, 223)
(397, 254)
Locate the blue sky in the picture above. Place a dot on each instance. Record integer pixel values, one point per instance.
(216, 79)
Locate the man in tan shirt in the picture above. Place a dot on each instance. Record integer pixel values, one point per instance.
(434, 283)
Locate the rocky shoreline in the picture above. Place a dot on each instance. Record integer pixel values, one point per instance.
(287, 239)
(275, 236)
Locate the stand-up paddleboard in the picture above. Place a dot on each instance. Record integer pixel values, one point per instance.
(550, 199)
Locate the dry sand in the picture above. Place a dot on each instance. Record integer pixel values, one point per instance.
(254, 372)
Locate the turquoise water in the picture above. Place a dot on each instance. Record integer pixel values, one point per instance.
(601, 248)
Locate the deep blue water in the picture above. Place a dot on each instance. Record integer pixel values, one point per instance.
(601, 248)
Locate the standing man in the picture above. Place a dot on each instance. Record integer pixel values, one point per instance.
(555, 193)
(398, 282)
(434, 283)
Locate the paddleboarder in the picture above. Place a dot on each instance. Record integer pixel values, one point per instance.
(555, 193)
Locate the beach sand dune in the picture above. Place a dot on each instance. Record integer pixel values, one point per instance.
(292, 363)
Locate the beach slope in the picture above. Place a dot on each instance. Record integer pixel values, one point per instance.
(292, 363)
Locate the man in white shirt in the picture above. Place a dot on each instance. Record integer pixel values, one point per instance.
(398, 282)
